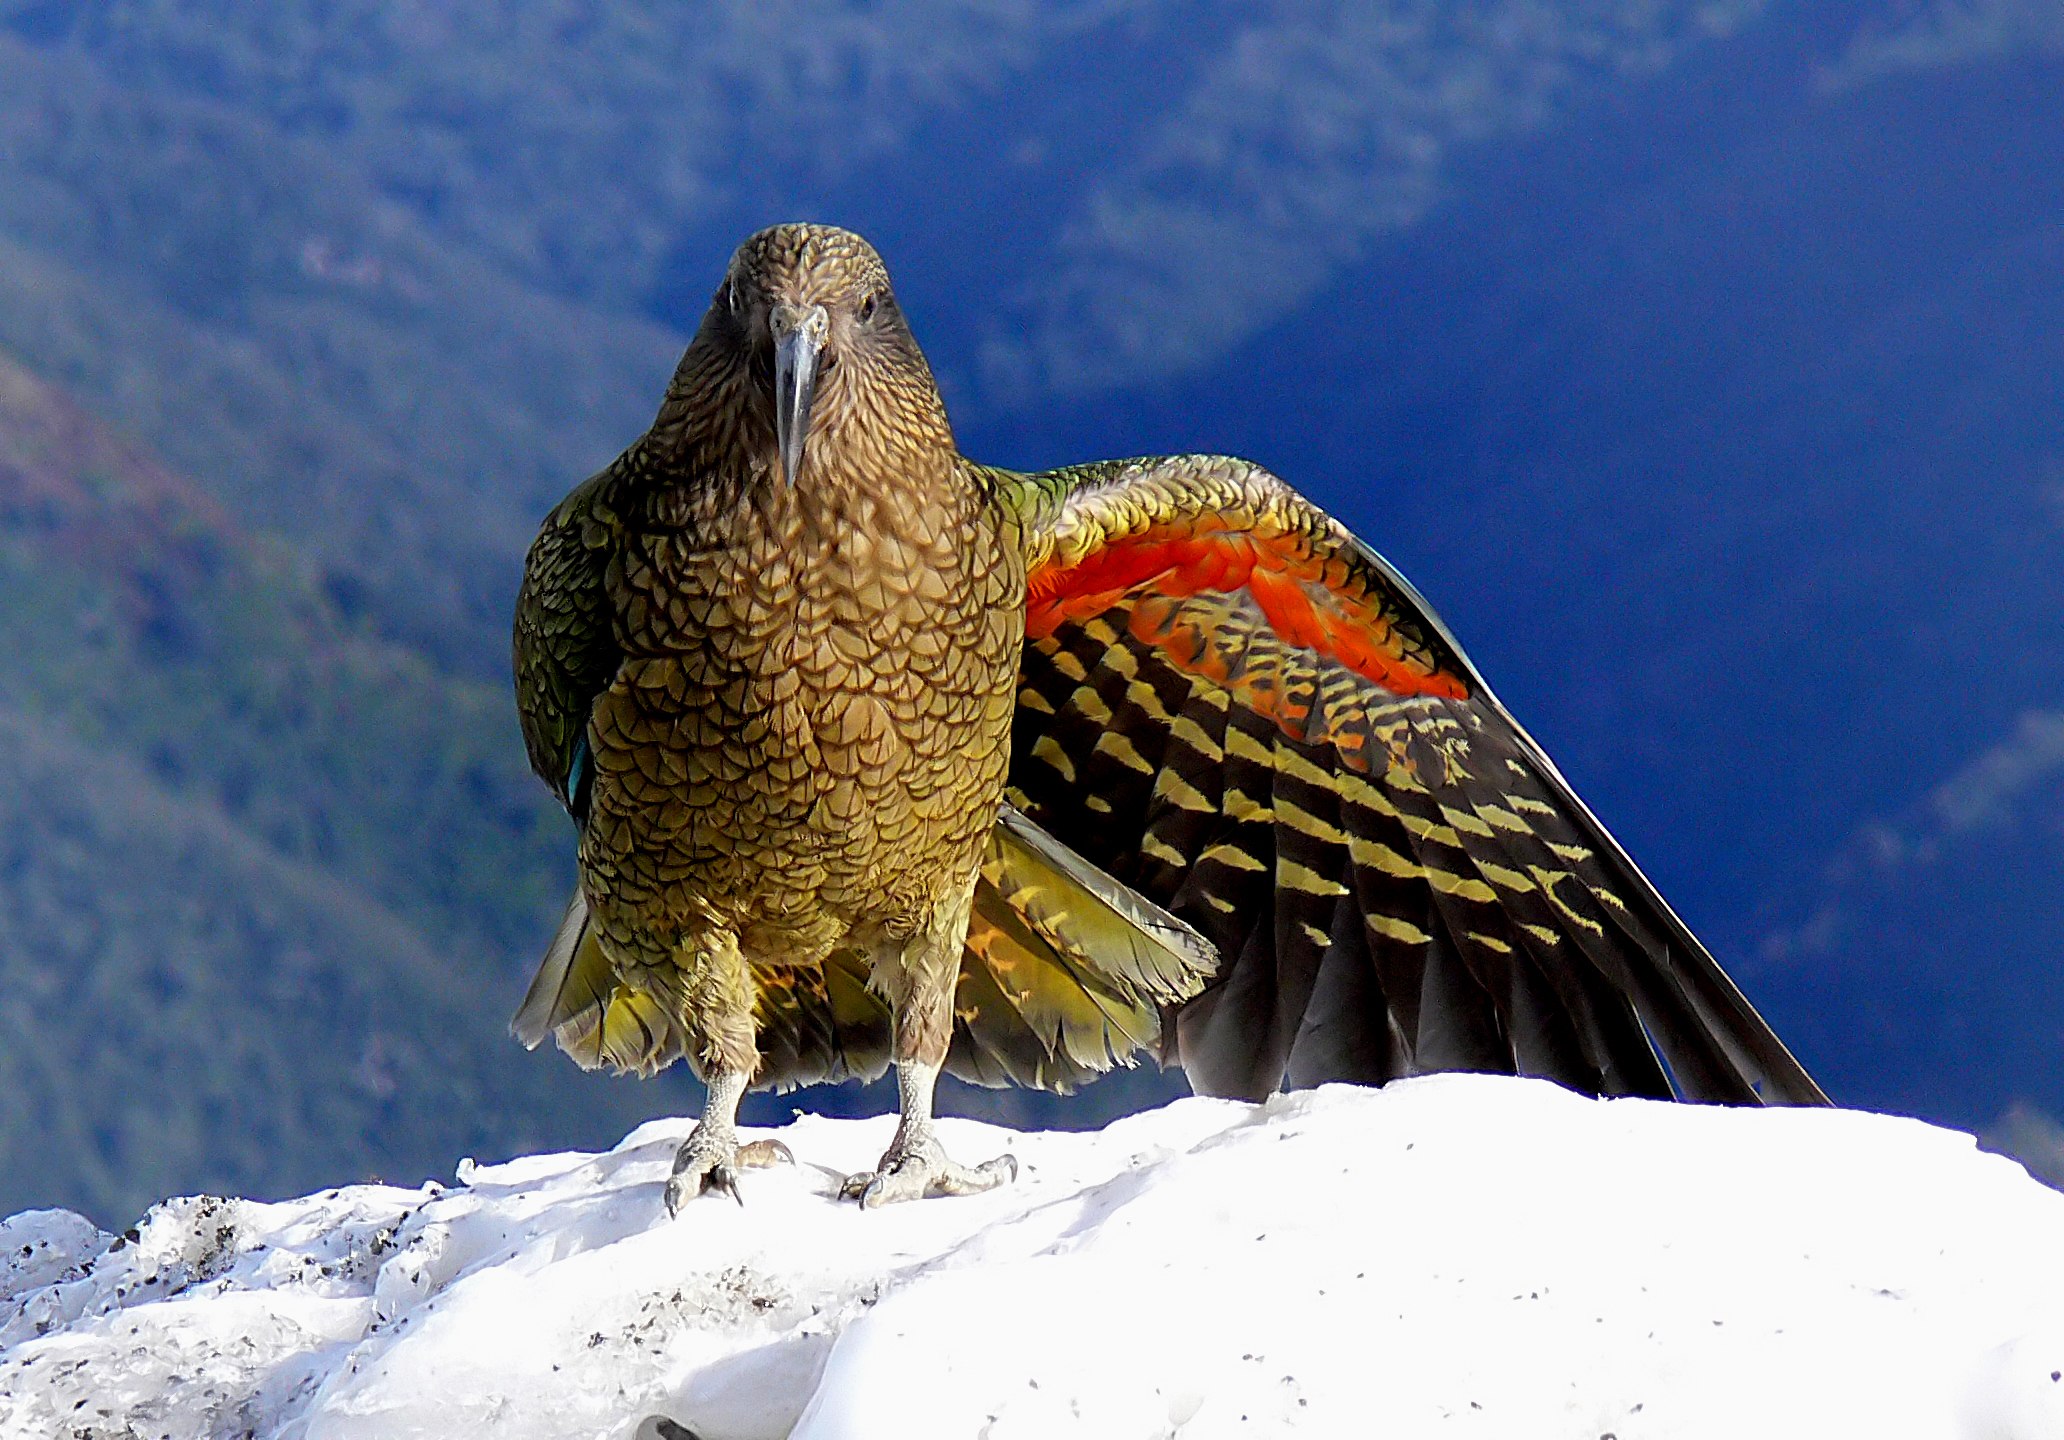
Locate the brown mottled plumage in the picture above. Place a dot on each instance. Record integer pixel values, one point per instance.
(773, 659)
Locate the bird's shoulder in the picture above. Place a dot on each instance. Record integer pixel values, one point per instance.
(643, 493)
(1075, 508)
(592, 515)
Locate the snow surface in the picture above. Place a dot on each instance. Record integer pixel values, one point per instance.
(1456, 1256)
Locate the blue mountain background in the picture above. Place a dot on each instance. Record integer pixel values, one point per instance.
(1703, 364)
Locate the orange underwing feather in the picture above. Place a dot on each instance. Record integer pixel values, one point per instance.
(1305, 600)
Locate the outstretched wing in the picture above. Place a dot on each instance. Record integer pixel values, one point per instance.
(1234, 706)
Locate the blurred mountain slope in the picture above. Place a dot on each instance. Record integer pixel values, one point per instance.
(260, 866)
(245, 301)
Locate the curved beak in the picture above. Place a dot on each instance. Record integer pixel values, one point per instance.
(799, 335)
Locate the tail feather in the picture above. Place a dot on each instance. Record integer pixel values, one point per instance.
(1122, 938)
(1066, 970)
(577, 999)
(572, 977)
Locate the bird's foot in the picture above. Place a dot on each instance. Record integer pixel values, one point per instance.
(915, 1168)
(710, 1159)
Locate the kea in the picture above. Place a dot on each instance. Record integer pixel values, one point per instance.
(880, 756)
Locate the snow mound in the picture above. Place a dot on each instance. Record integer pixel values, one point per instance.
(1461, 1255)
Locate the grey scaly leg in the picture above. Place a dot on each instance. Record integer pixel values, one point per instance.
(711, 1157)
(916, 1164)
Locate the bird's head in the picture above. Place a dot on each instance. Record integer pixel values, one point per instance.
(806, 312)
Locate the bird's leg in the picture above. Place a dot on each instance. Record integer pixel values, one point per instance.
(920, 990)
(916, 1164)
(718, 1009)
(710, 1158)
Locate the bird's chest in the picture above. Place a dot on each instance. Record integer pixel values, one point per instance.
(819, 636)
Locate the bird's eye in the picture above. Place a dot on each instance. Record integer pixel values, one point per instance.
(734, 298)
(869, 305)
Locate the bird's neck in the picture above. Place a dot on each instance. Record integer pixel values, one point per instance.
(882, 449)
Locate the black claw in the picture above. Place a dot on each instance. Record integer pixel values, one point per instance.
(719, 1177)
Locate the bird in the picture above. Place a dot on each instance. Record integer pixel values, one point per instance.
(883, 758)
